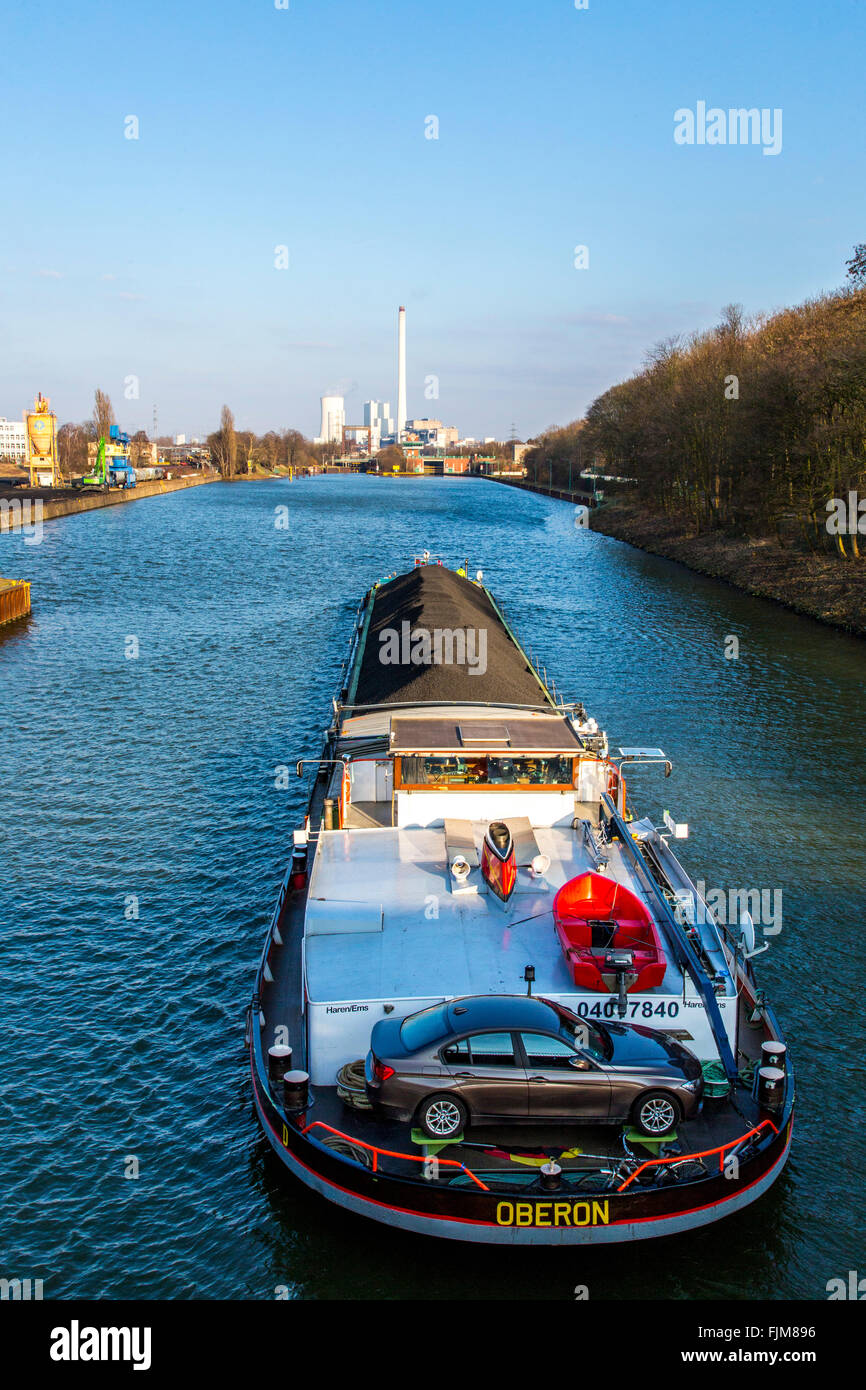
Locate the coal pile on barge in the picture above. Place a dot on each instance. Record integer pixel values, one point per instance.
(434, 600)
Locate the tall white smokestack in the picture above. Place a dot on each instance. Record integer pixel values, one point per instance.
(401, 372)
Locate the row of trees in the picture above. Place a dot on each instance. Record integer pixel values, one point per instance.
(747, 427)
(74, 437)
(234, 452)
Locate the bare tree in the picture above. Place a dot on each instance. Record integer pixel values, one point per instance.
(391, 458)
(141, 452)
(857, 267)
(103, 414)
(752, 424)
(223, 445)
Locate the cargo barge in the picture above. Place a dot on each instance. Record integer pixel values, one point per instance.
(14, 600)
(492, 1006)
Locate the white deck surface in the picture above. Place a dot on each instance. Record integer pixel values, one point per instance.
(435, 942)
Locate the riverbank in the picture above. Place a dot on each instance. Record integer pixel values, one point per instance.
(55, 504)
(817, 585)
(575, 496)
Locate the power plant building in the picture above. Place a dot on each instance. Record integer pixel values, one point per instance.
(379, 420)
(333, 420)
(385, 428)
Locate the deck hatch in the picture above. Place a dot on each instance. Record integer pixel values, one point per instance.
(483, 735)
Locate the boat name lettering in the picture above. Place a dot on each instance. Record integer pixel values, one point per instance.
(347, 1009)
(552, 1214)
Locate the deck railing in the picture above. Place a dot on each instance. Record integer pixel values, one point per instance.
(390, 1153)
(705, 1153)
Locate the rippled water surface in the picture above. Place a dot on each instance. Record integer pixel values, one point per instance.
(146, 784)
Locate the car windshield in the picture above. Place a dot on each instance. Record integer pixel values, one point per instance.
(420, 1030)
(589, 1037)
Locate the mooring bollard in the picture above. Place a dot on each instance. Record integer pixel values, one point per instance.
(551, 1176)
(299, 868)
(296, 1091)
(279, 1062)
(771, 1088)
(773, 1054)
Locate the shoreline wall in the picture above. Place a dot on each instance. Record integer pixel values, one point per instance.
(578, 498)
(54, 506)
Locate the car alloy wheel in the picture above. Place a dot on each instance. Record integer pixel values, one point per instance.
(442, 1118)
(657, 1115)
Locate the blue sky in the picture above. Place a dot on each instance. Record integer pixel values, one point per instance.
(305, 127)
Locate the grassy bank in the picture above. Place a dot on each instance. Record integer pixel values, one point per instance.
(820, 585)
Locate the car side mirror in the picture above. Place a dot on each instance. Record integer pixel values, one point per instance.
(580, 1064)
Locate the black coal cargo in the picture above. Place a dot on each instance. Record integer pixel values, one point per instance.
(471, 656)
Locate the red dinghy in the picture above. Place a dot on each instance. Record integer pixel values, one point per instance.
(594, 916)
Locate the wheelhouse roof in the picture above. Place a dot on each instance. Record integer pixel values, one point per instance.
(524, 733)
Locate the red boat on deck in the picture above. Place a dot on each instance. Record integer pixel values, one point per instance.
(596, 917)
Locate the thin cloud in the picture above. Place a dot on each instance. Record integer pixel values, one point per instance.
(596, 318)
(50, 274)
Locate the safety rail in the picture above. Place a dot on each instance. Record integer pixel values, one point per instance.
(390, 1153)
(705, 1153)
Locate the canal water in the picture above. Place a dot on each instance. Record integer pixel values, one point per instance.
(183, 648)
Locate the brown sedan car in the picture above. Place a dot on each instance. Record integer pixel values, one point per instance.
(518, 1060)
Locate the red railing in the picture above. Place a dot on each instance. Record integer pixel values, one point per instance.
(705, 1153)
(389, 1153)
(376, 1151)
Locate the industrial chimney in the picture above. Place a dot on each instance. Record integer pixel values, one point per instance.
(401, 373)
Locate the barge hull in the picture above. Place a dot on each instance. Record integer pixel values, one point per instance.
(491, 1219)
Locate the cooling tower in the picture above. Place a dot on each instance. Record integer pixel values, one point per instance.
(333, 419)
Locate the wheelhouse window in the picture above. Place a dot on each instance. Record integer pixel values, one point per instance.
(486, 770)
(545, 772)
(443, 771)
